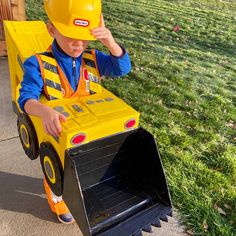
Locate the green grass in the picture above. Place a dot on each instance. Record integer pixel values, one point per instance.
(184, 85)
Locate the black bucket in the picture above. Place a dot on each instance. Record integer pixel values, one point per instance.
(116, 185)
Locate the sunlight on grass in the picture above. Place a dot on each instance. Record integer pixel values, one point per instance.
(183, 82)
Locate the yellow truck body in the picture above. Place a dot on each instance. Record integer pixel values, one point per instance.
(107, 168)
(96, 116)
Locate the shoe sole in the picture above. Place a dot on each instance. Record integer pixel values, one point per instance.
(64, 222)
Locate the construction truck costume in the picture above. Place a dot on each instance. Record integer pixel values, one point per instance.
(57, 75)
(104, 165)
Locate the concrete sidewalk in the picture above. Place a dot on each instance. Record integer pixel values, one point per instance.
(23, 207)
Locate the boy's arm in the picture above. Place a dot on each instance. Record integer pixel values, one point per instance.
(104, 35)
(115, 49)
(109, 65)
(50, 118)
(31, 89)
(118, 62)
(32, 83)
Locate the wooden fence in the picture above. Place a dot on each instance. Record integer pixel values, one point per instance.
(9, 10)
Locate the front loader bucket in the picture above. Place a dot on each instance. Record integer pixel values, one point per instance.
(116, 186)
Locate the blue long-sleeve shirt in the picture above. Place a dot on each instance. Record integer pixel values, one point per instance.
(32, 83)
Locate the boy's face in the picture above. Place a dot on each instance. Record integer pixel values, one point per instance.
(72, 47)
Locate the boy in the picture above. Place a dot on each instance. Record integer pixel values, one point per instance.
(72, 24)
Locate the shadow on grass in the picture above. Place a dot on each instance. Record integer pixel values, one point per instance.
(181, 40)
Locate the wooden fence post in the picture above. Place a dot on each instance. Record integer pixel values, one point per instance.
(10, 10)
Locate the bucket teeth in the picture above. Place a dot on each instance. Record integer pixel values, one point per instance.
(139, 233)
(170, 214)
(156, 223)
(147, 228)
(164, 218)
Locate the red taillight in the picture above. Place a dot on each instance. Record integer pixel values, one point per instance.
(86, 77)
(130, 123)
(78, 139)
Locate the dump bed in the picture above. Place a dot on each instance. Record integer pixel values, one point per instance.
(24, 39)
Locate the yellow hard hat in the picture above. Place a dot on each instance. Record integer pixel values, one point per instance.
(74, 18)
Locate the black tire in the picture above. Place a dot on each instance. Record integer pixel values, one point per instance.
(28, 136)
(52, 168)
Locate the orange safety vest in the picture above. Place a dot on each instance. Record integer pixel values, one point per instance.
(56, 85)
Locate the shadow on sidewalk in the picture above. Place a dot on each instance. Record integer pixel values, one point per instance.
(24, 194)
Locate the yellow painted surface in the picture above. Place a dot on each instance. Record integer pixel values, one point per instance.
(24, 39)
(95, 119)
(99, 115)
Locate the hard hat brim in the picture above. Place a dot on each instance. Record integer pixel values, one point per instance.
(83, 33)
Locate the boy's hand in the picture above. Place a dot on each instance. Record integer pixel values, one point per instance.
(104, 35)
(51, 121)
(50, 118)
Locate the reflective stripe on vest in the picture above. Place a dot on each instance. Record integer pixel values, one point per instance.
(56, 86)
(52, 82)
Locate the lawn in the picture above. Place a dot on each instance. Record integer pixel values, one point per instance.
(183, 82)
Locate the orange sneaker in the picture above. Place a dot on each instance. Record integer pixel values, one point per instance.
(59, 208)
